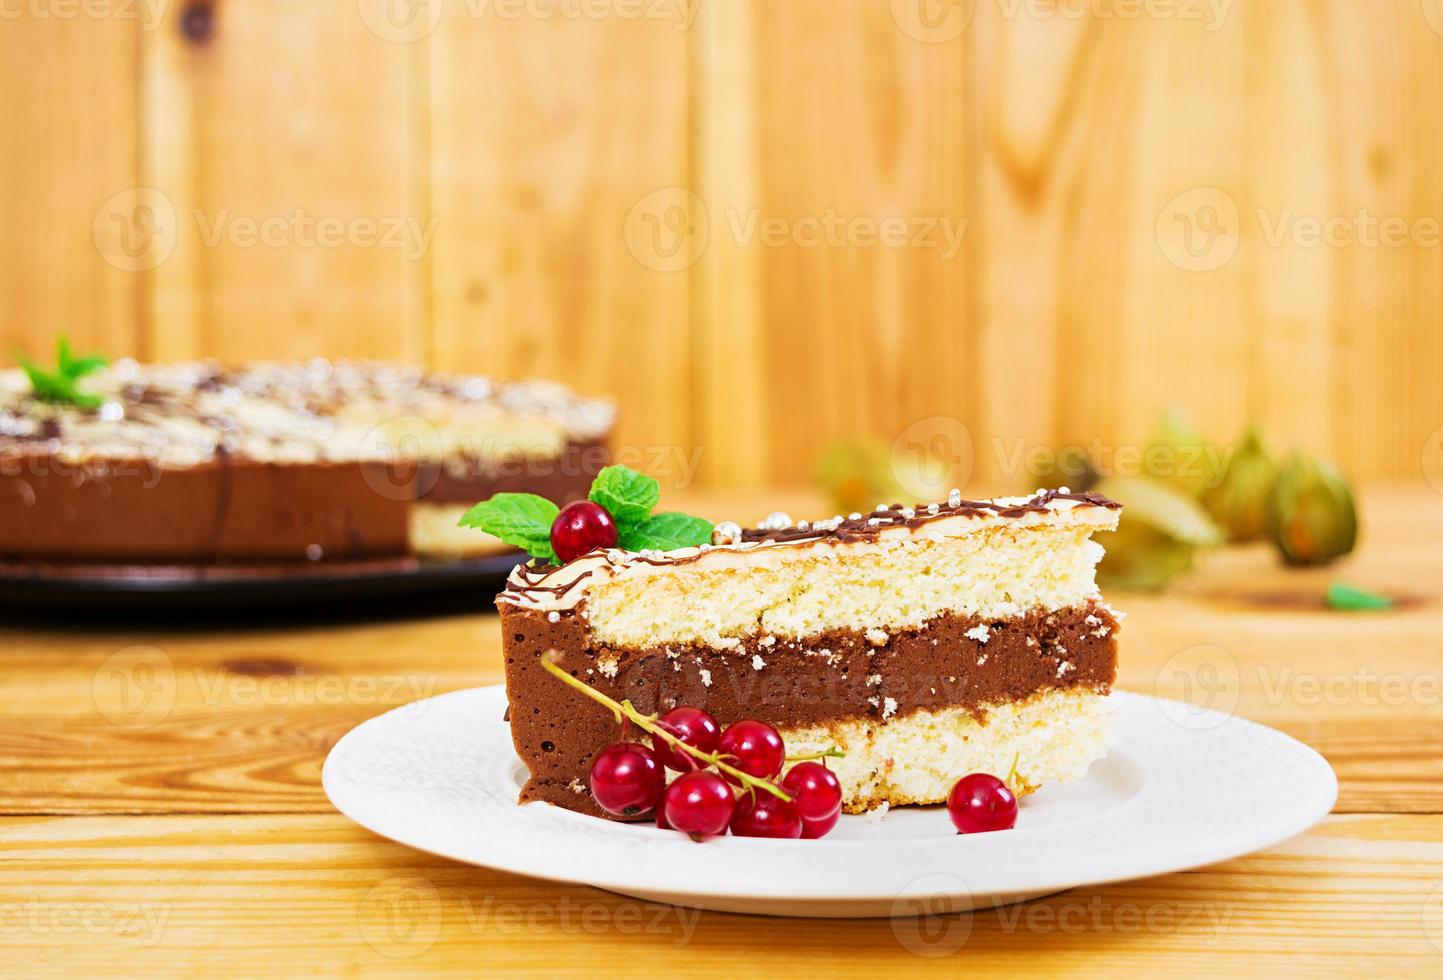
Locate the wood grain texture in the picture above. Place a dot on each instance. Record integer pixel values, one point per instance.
(556, 140)
(197, 894)
(160, 809)
(1234, 208)
(68, 142)
(285, 138)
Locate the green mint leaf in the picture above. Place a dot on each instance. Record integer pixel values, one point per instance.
(58, 386)
(73, 367)
(667, 532)
(522, 520)
(1351, 599)
(627, 495)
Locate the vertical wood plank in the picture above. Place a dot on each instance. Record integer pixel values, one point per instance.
(732, 397)
(556, 141)
(68, 142)
(283, 135)
(857, 135)
(1384, 98)
(1099, 129)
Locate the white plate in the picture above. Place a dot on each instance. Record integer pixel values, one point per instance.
(1181, 787)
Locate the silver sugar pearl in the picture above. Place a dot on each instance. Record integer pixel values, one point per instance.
(727, 532)
(776, 521)
(112, 412)
(954, 499)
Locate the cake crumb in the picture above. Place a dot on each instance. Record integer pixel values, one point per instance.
(874, 701)
(705, 677)
(889, 707)
(768, 641)
(876, 637)
(757, 662)
(607, 665)
(980, 633)
(1065, 666)
(982, 660)
(577, 786)
(879, 814)
(873, 680)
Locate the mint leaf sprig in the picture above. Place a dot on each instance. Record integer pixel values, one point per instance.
(524, 520)
(59, 387)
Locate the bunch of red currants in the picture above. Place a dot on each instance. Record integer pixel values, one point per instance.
(628, 780)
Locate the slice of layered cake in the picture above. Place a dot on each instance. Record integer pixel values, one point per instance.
(925, 643)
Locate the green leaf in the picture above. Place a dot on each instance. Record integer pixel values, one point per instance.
(1349, 598)
(76, 367)
(627, 495)
(667, 532)
(522, 520)
(58, 386)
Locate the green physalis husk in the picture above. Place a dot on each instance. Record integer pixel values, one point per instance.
(1310, 516)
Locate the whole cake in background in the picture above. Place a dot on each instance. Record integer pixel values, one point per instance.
(924, 643)
(300, 462)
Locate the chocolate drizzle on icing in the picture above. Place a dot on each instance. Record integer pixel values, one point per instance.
(531, 582)
(185, 414)
(866, 527)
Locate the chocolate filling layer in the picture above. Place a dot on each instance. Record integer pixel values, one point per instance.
(840, 674)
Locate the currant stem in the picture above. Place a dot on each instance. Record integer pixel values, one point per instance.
(625, 710)
(831, 753)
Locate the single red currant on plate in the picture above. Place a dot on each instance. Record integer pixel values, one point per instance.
(754, 747)
(698, 803)
(626, 779)
(581, 526)
(694, 727)
(817, 795)
(760, 814)
(980, 803)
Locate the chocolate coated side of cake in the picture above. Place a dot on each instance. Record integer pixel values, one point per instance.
(829, 677)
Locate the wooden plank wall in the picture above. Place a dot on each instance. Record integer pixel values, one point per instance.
(1093, 209)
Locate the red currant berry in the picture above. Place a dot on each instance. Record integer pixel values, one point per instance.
(580, 527)
(760, 814)
(694, 727)
(626, 779)
(754, 747)
(699, 803)
(817, 795)
(981, 802)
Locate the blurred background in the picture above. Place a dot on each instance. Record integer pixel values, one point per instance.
(767, 228)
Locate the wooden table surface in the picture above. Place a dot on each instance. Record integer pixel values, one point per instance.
(161, 807)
